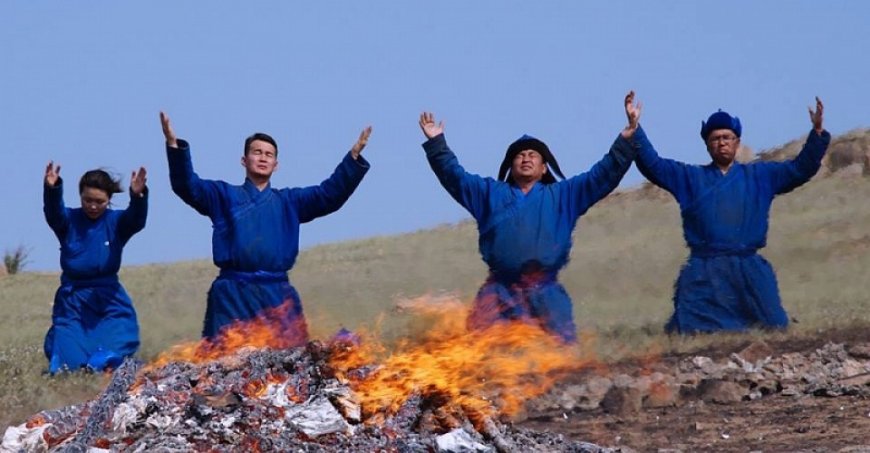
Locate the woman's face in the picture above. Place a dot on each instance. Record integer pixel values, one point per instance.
(94, 202)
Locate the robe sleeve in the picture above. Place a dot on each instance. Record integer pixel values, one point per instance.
(56, 214)
(586, 189)
(469, 190)
(668, 174)
(327, 197)
(786, 176)
(201, 194)
(132, 220)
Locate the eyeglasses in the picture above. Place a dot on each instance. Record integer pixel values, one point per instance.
(725, 139)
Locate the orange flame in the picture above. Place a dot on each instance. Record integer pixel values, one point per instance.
(272, 329)
(480, 371)
(36, 420)
(483, 372)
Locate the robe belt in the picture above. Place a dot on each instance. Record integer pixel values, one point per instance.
(525, 280)
(714, 252)
(254, 277)
(83, 282)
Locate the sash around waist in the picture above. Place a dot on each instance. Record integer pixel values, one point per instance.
(524, 279)
(711, 252)
(81, 282)
(254, 277)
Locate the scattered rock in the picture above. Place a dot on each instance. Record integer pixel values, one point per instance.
(860, 351)
(756, 351)
(860, 379)
(622, 401)
(662, 394)
(720, 392)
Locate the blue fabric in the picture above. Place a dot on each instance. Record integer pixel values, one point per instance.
(721, 120)
(92, 313)
(524, 236)
(539, 299)
(236, 296)
(725, 285)
(256, 233)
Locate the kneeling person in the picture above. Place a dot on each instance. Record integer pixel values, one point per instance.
(256, 229)
(525, 219)
(93, 323)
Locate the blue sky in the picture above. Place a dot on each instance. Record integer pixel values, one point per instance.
(83, 82)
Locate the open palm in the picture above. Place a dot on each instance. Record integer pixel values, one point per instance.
(52, 174)
(429, 126)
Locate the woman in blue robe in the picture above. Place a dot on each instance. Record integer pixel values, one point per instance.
(525, 219)
(725, 206)
(255, 238)
(93, 323)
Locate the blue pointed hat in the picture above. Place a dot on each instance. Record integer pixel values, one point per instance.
(720, 120)
(528, 142)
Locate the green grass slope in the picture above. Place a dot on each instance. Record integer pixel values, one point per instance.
(628, 250)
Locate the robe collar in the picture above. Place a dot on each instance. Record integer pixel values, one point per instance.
(519, 192)
(252, 190)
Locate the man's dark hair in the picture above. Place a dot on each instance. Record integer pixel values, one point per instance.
(100, 179)
(262, 137)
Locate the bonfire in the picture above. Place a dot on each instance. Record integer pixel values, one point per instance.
(257, 388)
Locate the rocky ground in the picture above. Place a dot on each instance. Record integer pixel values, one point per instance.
(804, 394)
(787, 394)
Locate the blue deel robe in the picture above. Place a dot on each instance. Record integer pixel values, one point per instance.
(93, 322)
(525, 239)
(725, 284)
(255, 239)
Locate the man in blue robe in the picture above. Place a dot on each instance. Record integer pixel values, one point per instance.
(525, 219)
(256, 230)
(726, 285)
(93, 323)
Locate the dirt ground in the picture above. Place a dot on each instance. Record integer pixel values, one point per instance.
(774, 423)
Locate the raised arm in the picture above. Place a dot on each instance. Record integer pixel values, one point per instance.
(588, 188)
(467, 189)
(133, 218)
(665, 173)
(202, 195)
(786, 176)
(327, 197)
(56, 214)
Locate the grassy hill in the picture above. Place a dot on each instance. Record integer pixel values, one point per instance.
(628, 250)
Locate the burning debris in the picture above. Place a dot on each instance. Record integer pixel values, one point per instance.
(450, 391)
(264, 400)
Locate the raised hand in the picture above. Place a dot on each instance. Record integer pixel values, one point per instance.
(427, 124)
(817, 116)
(632, 112)
(171, 139)
(52, 174)
(137, 181)
(360, 142)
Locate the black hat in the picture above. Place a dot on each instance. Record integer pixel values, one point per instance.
(528, 142)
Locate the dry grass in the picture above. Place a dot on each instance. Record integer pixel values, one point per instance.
(627, 253)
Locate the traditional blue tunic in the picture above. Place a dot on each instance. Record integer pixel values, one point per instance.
(93, 322)
(725, 284)
(525, 239)
(256, 239)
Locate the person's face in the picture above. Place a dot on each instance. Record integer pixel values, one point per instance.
(260, 160)
(528, 165)
(722, 144)
(94, 202)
